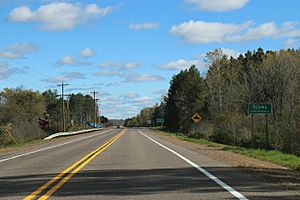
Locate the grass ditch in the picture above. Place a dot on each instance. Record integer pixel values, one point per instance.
(276, 157)
(20, 145)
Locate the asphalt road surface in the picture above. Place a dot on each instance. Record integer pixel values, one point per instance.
(124, 164)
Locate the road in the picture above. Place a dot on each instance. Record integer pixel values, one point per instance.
(124, 164)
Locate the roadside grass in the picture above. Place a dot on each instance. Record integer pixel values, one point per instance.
(20, 144)
(277, 157)
(25, 143)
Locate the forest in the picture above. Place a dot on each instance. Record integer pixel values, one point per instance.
(27, 115)
(222, 95)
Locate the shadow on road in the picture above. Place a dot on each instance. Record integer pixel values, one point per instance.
(151, 181)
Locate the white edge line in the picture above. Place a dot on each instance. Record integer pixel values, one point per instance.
(215, 179)
(51, 147)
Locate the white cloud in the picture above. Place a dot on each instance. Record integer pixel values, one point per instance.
(218, 5)
(200, 32)
(87, 53)
(108, 73)
(134, 78)
(130, 65)
(9, 55)
(5, 71)
(181, 64)
(141, 102)
(128, 104)
(145, 25)
(266, 30)
(21, 14)
(124, 110)
(68, 76)
(82, 89)
(198, 61)
(113, 84)
(230, 52)
(290, 43)
(119, 65)
(17, 50)
(59, 16)
(108, 65)
(130, 95)
(144, 99)
(112, 101)
(161, 92)
(69, 60)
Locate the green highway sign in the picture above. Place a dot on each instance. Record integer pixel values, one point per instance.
(260, 108)
(160, 120)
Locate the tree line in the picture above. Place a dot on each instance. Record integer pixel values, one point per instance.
(27, 115)
(222, 95)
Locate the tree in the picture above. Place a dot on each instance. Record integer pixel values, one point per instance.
(53, 109)
(103, 119)
(222, 98)
(77, 102)
(187, 95)
(20, 109)
(159, 112)
(131, 122)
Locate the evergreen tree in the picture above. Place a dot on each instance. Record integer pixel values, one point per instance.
(186, 96)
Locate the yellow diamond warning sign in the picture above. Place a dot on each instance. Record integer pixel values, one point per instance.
(196, 118)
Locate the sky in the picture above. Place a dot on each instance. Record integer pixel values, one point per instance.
(128, 50)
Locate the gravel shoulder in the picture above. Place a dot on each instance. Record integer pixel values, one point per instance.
(267, 171)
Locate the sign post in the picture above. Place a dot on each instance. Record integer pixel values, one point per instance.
(267, 133)
(252, 131)
(196, 118)
(260, 108)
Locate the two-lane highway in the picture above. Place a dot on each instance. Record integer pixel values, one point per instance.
(126, 164)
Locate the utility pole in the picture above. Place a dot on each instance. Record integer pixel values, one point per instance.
(62, 85)
(95, 102)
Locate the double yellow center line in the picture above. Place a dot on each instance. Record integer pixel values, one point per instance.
(69, 172)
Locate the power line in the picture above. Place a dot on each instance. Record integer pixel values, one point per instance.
(30, 68)
(25, 67)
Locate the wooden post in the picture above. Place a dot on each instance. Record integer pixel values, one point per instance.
(62, 85)
(252, 131)
(95, 111)
(267, 133)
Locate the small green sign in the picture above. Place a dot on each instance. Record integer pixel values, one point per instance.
(260, 108)
(160, 120)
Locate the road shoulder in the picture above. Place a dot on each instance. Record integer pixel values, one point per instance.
(267, 171)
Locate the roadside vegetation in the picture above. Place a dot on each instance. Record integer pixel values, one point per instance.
(221, 97)
(27, 115)
(274, 156)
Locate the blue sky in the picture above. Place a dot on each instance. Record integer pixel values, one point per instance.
(129, 50)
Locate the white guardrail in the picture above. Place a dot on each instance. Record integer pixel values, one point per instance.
(63, 134)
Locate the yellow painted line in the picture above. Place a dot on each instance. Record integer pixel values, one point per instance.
(83, 160)
(65, 179)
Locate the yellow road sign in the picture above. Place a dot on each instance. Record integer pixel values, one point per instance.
(196, 118)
